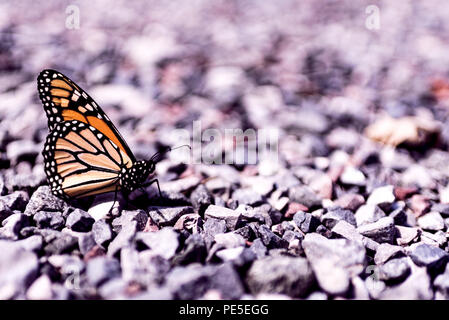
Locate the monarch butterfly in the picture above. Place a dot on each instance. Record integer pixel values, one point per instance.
(84, 154)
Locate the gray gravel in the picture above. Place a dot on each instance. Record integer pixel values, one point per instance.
(355, 207)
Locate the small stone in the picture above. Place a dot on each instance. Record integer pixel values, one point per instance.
(305, 196)
(230, 254)
(403, 193)
(259, 248)
(306, 222)
(194, 251)
(247, 197)
(86, 242)
(5, 211)
(322, 185)
(16, 201)
(40, 289)
(419, 176)
(285, 275)
(399, 216)
(13, 225)
(174, 189)
(347, 231)
(259, 184)
(248, 232)
(60, 292)
(123, 239)
(231, 217)
(331, 218)
(229, 240)
(139, 216)
(406, 235)
(332, 278)
(48, 219)
(96, 251)
(441, 283)
(280, 203)
(3, 188)
(62, 243)
(270, 239)
(367, 214)
(442, 208)
(114, 289)
(193, 281)
(395, 270)
(344, 253)
(101, 269)
(43, 200)
(432, 221)
(191, 222)
(164, 242)
(353, 176)
(437, 239)
(381, 195)
(444, 195)
(350, 201)
(32, 243)
(102, 232)
(79, 220)
(374, 286)
(386, 252)
(417, 286)
(317, 296)
(212, 227)
(359, 289)
(201, 198)
(18, 267)
(167, 216)
(419, 204)
(424, 255)
(380, 231)
(102, 205)
(132, 268)
(294, 207)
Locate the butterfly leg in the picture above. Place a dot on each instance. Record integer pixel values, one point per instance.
(149, 183)
(113, 203)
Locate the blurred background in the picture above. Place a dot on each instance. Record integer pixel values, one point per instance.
(359, 92)
(321, 71)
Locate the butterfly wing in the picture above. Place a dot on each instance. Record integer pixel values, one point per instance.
(64, 100)
(81, 161)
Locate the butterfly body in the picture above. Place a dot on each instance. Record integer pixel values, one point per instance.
(84, 154)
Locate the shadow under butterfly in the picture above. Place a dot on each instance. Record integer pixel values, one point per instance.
(84, 153)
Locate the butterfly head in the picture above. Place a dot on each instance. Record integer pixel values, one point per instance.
(135, 176)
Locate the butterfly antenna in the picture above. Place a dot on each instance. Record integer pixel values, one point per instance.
(155, 158)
